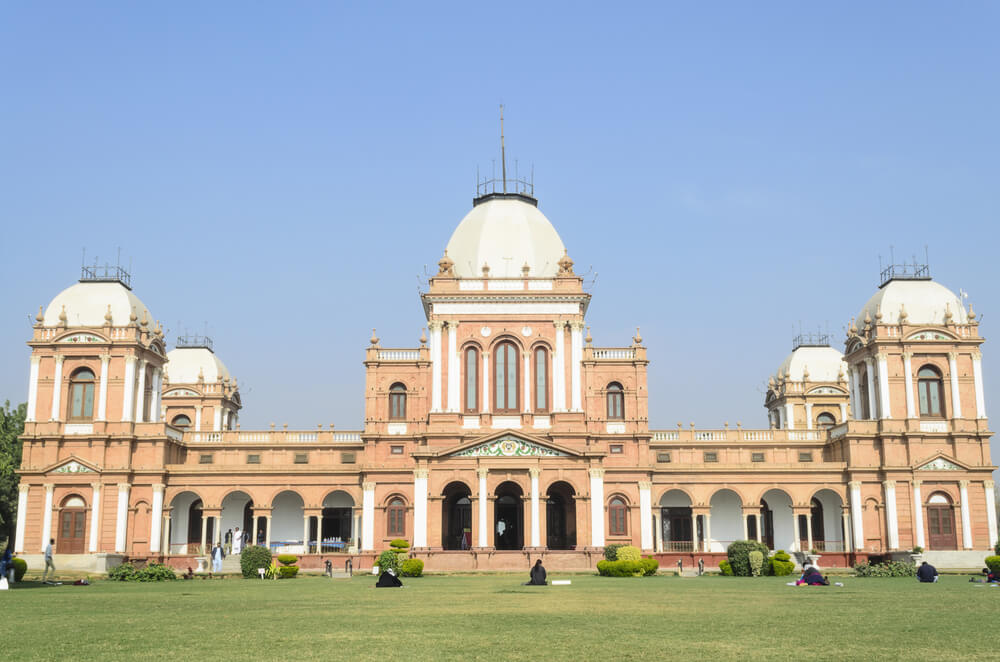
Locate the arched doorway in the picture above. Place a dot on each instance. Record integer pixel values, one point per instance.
(180, 526)
(337, 525)
(726, 523)
(288, 524)
(194, 522)
(777, 523)
(237, 512)
(456, 517)
(72, 526)
(828, 522)
(508, 516)
(940, 523)
(560, 516)
(676, 522)
(818, 528)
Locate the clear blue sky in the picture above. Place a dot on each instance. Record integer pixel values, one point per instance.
(284, 171)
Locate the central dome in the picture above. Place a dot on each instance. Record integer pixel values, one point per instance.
(505, 232)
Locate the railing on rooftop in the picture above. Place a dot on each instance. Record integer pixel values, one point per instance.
(107, 273)
(811, 340)
(398, 354)
(614, 353)
(193, 340)
(912, 271)
(736, 435)
(274, 436)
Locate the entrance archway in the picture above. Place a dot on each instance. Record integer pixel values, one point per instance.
(288, 524)
(337, 524)
(508, 516)
(456, 516)
(560, 516)
(675, 522)
(777, 524)
(940, 523)
(237, 511)
(181, 526)
(726, 521)
(72, 526)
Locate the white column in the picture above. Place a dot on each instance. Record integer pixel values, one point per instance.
(33, 389)
(796, 533)
(154, 408)
(204, 533)
(991, 511)
(368, 517)
(809, 416)
(95, 517)
(883, 386)
(102, 393)
(911, 407)
(870, 372)
(486, 382)
(809, 530)
(482, 507)
(658, 524)
(746, 526)
(956, 400)
(197, 418)
(977, 376)
(420, 507)
(121, 523)
(526, 398)
(22, 516)
(597, 507)
(789, 416)
(778, 414)
(454, 361)
(859, 408)
(129, 388)
(918, 507)
(856, 515)
(963, 488)
(436, 368)
(559, 370)
(165, 546)
(305, 532)
(140, 403)
(156, 523)
(843, 412)
(891, 516)
(846, 526)
(576, 356)
(645, 515)
(536, 528)
(56, 390)
(708, 532)
(217, 422)
(47, 516)
(253, 531)
(267, 531)
(852, 387)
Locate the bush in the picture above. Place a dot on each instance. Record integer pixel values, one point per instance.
(887, 569)
(739, 555)
(412, 568)
(649, 566)
(917, 549)
(620, 568)
(993, 563)
(155, 572)
(20, 567)
(288, 571)
(287, 559)
(756, 559)
(628, 553)
(123, 573)
(725, 568)
(611, 552)
(780, 565)
(254, 557)
(996, 547)
(399, 545)
(388, 560)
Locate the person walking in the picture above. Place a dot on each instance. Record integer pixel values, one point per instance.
(229, 541)
(217, 556)
(48, 561)
(237, 541)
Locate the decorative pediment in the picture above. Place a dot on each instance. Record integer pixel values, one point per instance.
(72, 467)
(826, 390)
(930, 335)
(180, 393)
(82, 339)
(509, 445)
(940, 464)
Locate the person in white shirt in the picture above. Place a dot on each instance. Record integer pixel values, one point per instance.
(237, 541)
(48, 561)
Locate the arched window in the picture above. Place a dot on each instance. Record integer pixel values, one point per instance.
(865, 403)
(506, 370)
(617, 511)
(396, 515)
(541, 380)
(616, 401)
(181, 421)
(931, 391)
(471, 380)
(397, 401)
(825, 420)
(81, 395)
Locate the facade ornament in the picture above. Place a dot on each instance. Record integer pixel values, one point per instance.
(144, 322)
(878, 314)
(374, 339)
(868, 320)
(903, 315)
(62, 317)
(805, 373)
(107, 316)
(588, 339)
(201, 376)
(972, 313)
(637, 338)
(446, 266)
(132, 317)
(525, 269)
(565, 264)
(486, 270)
(947, 313)
(423, 337)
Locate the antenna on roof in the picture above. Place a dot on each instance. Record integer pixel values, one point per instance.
(503, 154)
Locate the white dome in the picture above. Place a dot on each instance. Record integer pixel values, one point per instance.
(184, 364)
(87, 303)
(824, 363)
(925, 303)
(506, 234)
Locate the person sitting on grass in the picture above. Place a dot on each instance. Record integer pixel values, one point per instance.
(537, 575)
(927, 573)
(812, 577)
(992, 577)
(388, 579)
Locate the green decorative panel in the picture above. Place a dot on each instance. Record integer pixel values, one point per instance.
(509, 446)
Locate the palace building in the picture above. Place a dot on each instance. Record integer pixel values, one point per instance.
(508, 433)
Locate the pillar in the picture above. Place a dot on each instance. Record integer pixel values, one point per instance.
(809, 416)
(645, 515)
(596, 507)
(420, 507)
(843, 412)
(789, 416)
(658, 530)
(526, 398)
(536, 529)
(991, 511)
(121, 523)
(47, 516)
(166, 534)
(154, 408)
(267, 531)
(31, 416)
(911, 406)
(576, 356)
(140, 404)
(204, 532)
(977, 376)
(694, 532)
(852, 392)
(963, 488)
(809, 529)
(95, 517)
(305, 531)
(436, 368)
(253, 531)
(559, 373)
(483, 527)
(760, 527)
(197, 418)
(796, 532)
(128, 386)
(454, 361)
(918, 517)
(368, 517)
(891, 516)
(746, 526)
(217, 422)
(845, 517)
(870, 373)
(856, 515)
(956, 399)
(22, 515)
(56, 391)
(486, 382)
(708, 531)
(883, 387)
(102, 392)
(156, 518)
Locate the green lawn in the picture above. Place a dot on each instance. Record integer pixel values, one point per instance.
(495, 618)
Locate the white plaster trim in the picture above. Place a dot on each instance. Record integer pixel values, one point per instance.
(919, 503)
(977, 375)
(368, 518)
(883, 386)
(911, 407)
(542, 422)
(956, 399)
(507, 422)
(966, 517)
(482, 508)
(397, 428)
(597, 510)
(22, 514)
(78, 428)
(95, 519)
(615, 428)
(991, 511)
(520, 308)
(892, 517)
(646, 518)
(536, 528)
(47, 516)
(470, 422)
(32, 394)
(121, 523)
(420, 509)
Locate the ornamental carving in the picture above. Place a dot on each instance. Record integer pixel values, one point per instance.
(178, 393)
(929, 335)
(940, 464)
(509, 446)
(85, 338)
(73, 468)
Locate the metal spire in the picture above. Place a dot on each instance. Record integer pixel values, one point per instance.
(503, 154)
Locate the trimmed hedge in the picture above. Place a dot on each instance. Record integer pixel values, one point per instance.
(725, 568)
(388, 560)
(739, 555)
(253, 557)
(287, 559)
(399, 545)
(628, 553)
(412, 568)
(288, 571)
(993, 563)
(611, 552)
(887, 569)
(20, 567)
(756, 559)
(122, 573)
(781, 564)
(641, 568)
(154, 572)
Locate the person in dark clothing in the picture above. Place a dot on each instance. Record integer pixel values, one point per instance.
(537, 575)
(388, 580)
(991, 577)
(927, 573)
(812, 577)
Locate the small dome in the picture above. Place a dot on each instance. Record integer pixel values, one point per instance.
(184, 364)
(823, 363)
(506, 234)
(925, 303)
(87, 303)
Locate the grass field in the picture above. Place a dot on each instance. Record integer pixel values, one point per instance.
(493, 617)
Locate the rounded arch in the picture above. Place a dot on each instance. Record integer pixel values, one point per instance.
(230, 491)
(540, 343)
(726, 509)
(182, 421)
(387, 501)
(74, 500)
(182, 529)
(570, 482)
(287, 513)
(82, 383)
(472, 343)
(560, 515)
(340, 497)
(618, 495)
(520, 481)
(236, 512)
(455, 486)
(678, 497)
(940, 498)
(505, 336)
(456, 515)
(615, 396)
(826, 419)
(837, 491)
(508, 515)
(397, 400)
(336, 522)
(777, 519)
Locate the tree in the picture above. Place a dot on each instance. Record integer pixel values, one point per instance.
(11, 428)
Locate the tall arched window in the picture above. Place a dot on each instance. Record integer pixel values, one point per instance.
(616, 401)
(541, 380)
(81, 395)
(505, 384)
(396, 516)
(397, 401)
(181, 421)
(865, 404)
(825, 420)
(931, 391)
(471, 380)
(617, 511)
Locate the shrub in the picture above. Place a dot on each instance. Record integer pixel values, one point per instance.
(611, 552)
(739, 555)
(287, 559)
(887, 569)
(155, 572)
(649, 566)
(917, 549)
(756, 559)
(20, 567)
(993, 563)
(388, 560)
(782, 564)
(288, 571)
(620, 568)
(412, 568)
(725, 568)
(254, 557)
(628, 553)
(996, 547)
(123, 573)
(399, 545)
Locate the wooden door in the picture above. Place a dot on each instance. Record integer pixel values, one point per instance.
(941, 527)
(72, 529)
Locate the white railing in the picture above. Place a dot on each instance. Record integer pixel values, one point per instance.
(738, 434)
(758, 435)
(505, 284)
(398, 354)
(347, 436)
(539, 284)
(302, 436)
(678, 546)
(825, 545)
(803, 435)
(666, 435)
(253, 436)
(470, 284)
(704, 435)
(274, 436)
(612, 354)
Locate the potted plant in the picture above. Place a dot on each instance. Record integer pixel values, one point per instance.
(917, 554)
(813, 556)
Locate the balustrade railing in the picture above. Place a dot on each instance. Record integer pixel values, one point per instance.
(398, 354)
(614, 353)
(736, 435)
(274, 436)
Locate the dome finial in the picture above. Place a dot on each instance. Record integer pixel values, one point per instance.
(972, 313)
(107, 316)
(486, 270)
(902, 313)
(62, 317)
(637, 338)
(40, 317)
(878, 314)
(446, 266)
(565, 264)
(423, 336)
(588, 339)
(132, 317)
(525, 269)
(947, 313)
(805, 372)
(374, 338)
